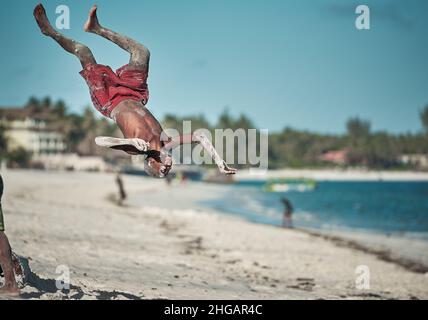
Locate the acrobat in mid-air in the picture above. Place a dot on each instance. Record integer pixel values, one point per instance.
(122, 96)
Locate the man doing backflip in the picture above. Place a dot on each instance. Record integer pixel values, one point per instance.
(122, 96)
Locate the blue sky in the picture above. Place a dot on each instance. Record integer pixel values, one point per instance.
(282, 63)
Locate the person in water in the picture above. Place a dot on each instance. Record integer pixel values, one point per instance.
(288, 212)
(123, 95)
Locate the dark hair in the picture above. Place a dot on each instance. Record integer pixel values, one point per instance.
(154, 154)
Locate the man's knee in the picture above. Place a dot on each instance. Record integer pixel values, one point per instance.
(143, 50)
(140, 54)
(82, 51)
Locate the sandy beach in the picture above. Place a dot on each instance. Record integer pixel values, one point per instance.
(171, 247)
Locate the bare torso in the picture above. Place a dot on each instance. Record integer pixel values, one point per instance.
(136, 121)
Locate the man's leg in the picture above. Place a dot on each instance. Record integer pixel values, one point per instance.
(10, 287)
(139, 60)
(140, 55)
(79, 50)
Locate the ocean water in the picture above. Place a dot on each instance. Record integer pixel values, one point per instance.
(379, 207)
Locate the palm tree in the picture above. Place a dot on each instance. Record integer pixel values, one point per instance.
(424, 118)
(358, 128)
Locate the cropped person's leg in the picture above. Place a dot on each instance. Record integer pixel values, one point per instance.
(10, 287)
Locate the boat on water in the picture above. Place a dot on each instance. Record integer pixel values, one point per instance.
(288, 184)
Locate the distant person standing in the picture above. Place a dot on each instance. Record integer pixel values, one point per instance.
(10, 287)
(169, 180)
(288, 212)
(122, 193)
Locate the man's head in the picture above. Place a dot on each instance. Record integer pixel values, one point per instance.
(157, 164)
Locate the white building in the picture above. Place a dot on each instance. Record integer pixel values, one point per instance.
(420, 161)
(74, 162)
(30, 130)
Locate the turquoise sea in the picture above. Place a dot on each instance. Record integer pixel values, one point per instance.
(379, 207)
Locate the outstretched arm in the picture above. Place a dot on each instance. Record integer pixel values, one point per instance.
(206, 144)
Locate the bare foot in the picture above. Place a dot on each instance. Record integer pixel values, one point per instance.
(42, 20)
(228, 170)
(10, 291)
(92, 22)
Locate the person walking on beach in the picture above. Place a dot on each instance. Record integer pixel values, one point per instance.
(169, 180)
(122, 193)
(123, 95)
(10, 287)
(288, 212)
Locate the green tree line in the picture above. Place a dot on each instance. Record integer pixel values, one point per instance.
(298, 148)
(287, 148)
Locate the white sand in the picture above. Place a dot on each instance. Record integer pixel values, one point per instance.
(160, 252)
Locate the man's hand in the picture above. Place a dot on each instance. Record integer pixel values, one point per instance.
(141, 145)
(134, 145)
(206, 144)
(224, 168)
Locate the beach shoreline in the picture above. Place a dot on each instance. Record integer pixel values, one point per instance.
(410, 252)
(171, 248)
(337, 174)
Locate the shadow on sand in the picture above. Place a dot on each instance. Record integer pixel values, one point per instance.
(48, 286)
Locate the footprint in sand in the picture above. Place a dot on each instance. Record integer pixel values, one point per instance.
(306, 284)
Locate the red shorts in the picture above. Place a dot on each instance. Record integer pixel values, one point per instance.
(107, 88)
